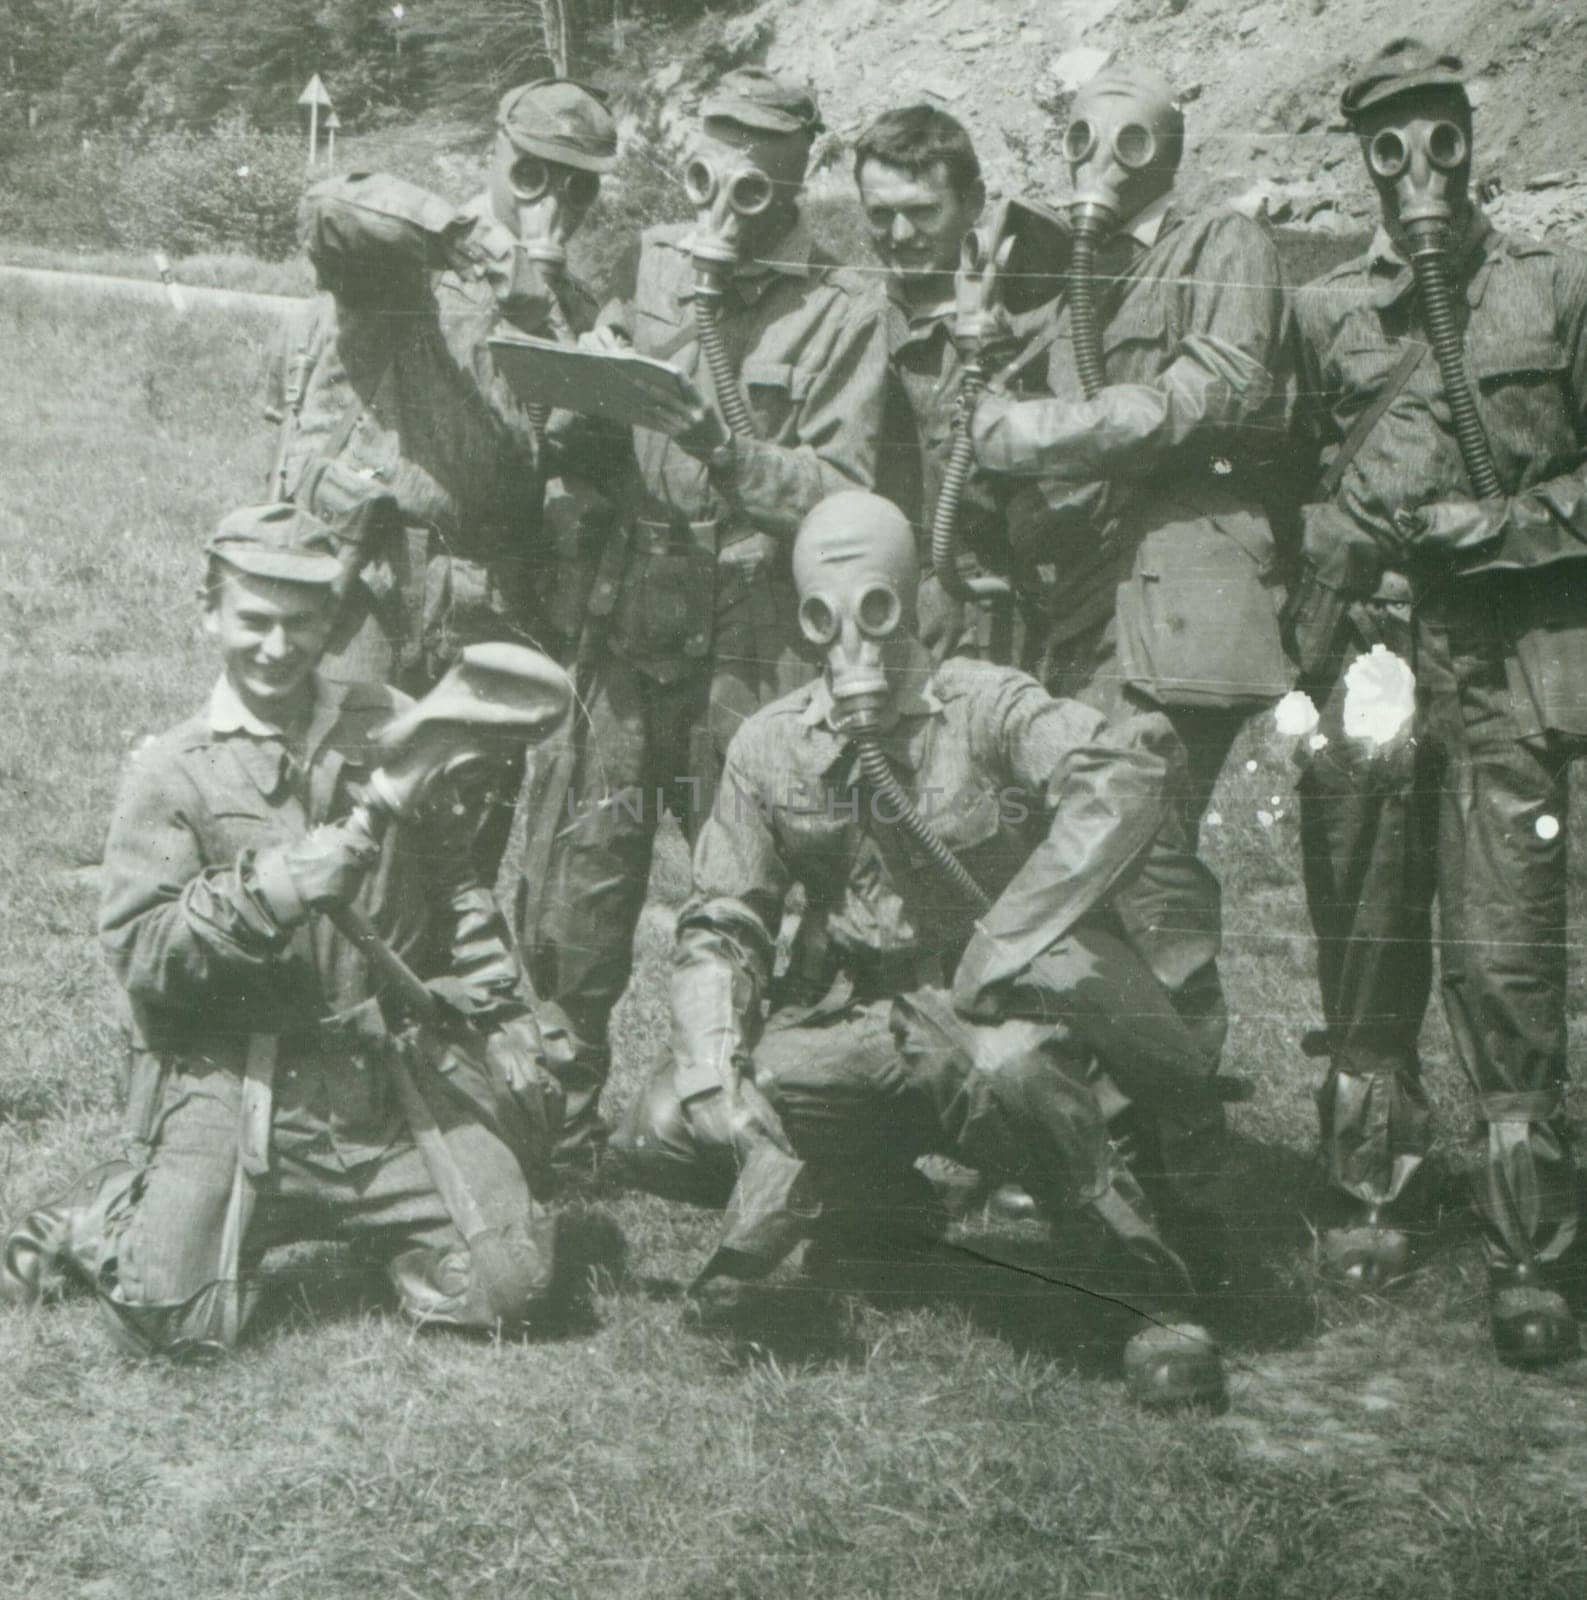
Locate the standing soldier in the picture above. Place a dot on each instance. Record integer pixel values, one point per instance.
(1154, 546)
(920, 189)
(1450, 366)
(995, 893)
(691, 620)
(268, 1092)
(395, 427)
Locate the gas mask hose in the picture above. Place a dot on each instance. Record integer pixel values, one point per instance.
(1090, 227)
(707, 323)
(945, 515)
(879, 779)
(970, 336)
(1429, 262)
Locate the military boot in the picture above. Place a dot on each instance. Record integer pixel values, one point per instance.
(59, 1241)
(1529, 1318)
(1171, 1362)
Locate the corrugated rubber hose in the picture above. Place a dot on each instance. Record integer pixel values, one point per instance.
(729, 397)
(1083, 306)
(879, 777)
(1429, 262)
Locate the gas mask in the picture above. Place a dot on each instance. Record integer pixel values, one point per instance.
(855, 569)
(1123, 144)
(1420, 161)
(742, 186)
(549, 202)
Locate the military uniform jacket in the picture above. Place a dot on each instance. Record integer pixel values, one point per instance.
(1051, 810)
(1160, 484)
(810, 351)
(205, 966)
(1525, 341)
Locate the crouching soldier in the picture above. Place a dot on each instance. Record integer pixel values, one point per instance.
(275, 1094)
(949, 825)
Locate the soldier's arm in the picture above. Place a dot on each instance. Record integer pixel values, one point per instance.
(838, 431)
(179, 931)
(1105, 793)
(1548, 522)
(1222, 374)
(726, 937)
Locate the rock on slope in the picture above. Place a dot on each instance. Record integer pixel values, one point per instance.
(1260, 81)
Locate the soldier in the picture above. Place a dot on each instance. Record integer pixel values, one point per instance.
(690, 624)
(1449, 364)
(396, 429)
(1169, 374)
(950, 825)
(920, 189)
(264, 1091)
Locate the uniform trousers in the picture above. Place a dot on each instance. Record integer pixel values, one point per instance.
(1471, 809)
(644, 742)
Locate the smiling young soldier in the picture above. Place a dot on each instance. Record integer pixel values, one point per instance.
(261, 1102)
(1463, 504)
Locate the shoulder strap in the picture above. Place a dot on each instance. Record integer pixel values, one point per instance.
(1328, 484)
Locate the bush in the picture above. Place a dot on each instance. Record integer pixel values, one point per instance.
(235, 188)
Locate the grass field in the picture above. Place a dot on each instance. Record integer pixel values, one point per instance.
(969, 1442)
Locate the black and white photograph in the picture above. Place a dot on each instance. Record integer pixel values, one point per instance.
(786, 797)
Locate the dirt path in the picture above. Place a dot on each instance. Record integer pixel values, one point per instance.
(180, 296)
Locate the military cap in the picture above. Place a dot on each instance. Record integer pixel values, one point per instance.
(756, 99)
(1402, 65)
(277, 541)
(560, 120)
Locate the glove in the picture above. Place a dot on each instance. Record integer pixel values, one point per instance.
(325, 868)
(516, 1056)
(1451, 527)
(1345, 556)
(518, 1050)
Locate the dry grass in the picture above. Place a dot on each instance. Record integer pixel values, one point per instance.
(966, 1442)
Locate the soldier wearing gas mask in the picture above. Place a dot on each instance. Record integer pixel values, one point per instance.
(1449, 366)
(1149, 545)
(997, 901)
(690, 623)
(462, 514)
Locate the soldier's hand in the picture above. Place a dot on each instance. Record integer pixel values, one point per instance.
(687, 417)
(325, 868)
(604, 340)
(1451, 527)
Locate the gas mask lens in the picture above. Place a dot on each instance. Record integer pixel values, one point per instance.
(818, 620)
(1133, 144)
(1390, 153)
(877, 612)
(749, 192)
(532, 179)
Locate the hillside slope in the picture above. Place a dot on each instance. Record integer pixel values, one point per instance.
(1261, 84)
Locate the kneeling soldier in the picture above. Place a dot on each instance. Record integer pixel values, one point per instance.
(274, 1095)
(1049, 885)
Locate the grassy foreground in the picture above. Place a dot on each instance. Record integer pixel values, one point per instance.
(967, 1442)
